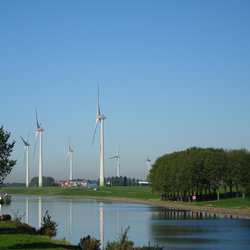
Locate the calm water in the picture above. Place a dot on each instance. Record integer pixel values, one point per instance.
(174, 229)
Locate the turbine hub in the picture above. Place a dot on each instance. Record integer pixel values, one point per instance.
(101, 117)
(40, 129)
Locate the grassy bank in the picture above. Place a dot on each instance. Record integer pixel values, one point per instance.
(137, 193)
(118, 192)
(13, 238)
(236, 203)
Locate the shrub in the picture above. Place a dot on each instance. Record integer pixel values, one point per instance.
(122, 243)
(88, 243)
(24, 227)
(48, 227)
(5, 217)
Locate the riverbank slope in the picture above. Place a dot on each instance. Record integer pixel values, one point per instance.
(13, 238)
(235, 207)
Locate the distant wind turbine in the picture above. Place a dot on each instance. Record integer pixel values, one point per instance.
(100, 118)
(26, 158)
(39, 131)
(117, 157)
(70, 157)
(148, 162)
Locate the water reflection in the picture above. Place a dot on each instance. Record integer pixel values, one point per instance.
(78, 218)
(39, 212)
(101, 225)
(198, 230)
(170, 214)
(27, 210)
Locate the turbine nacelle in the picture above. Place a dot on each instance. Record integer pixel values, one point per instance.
(39, 129)
(70, 150)
(100, 117)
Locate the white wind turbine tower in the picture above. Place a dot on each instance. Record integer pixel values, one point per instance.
(26, 158)
(70, 157)
(100, 118)
(117, 157)
(39, 131)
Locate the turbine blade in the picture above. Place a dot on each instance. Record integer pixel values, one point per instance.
(67, 161)
(37, 123)
(69, 148)
(24, 156)
(28, 137)
(96, 124)
(98, 102)
(118, 152)
(25, 142)
(113, 157)
(35, 146)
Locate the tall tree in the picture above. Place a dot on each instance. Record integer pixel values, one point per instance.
(6, 148)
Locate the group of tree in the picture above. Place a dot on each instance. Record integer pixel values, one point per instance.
(202, 173)
(47, 181)
(121, 181)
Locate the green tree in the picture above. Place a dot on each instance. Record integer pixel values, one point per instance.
(6, 149)
(47, 181)
(215, 169)
(239, 170)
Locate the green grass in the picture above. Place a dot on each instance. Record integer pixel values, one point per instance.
(137, 192)
(13, 238)
(228, 203)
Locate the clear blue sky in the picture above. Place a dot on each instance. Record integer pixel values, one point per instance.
(172, 74)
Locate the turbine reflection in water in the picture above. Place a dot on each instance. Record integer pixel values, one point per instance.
(39, 212)
(101, 225)
(27, 210)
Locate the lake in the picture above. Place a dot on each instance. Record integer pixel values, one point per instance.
(78, 217)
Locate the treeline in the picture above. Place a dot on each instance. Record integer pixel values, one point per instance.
(121, 181)
(204, 173)
(47, 181)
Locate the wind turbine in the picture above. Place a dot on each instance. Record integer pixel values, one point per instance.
(39, 131)
(117, 157)
(148, 162)
(100, 118)
(26, 158)
(70, 156)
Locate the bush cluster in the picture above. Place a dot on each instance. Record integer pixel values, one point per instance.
(122, 243)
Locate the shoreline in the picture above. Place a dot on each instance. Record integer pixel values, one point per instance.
(231, 212)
